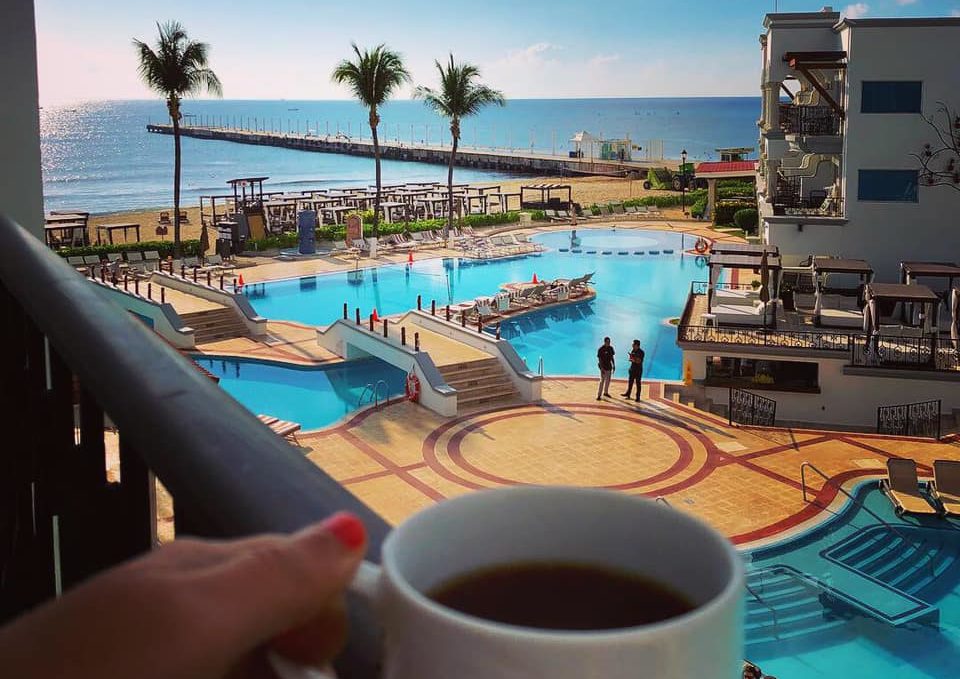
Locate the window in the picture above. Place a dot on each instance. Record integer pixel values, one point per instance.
(888, 185)
(723, 371)
(891, 97)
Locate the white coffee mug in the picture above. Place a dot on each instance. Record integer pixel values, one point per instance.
(425, 640)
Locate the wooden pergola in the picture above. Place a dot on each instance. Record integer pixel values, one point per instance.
(547, 201)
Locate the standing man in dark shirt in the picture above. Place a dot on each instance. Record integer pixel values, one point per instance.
(636, 369)
(606, 364)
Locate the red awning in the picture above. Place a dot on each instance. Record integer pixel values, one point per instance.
(747, 167)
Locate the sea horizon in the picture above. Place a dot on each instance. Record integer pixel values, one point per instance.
(99, 157)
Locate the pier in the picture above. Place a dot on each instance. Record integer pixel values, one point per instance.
(500, 160)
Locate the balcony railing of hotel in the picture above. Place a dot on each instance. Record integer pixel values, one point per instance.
(809, 120)
(789, 200)
(933, 353)
(68, 358)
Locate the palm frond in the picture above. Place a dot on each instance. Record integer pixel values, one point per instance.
(373, 76)
(460, 94)
(176, 66)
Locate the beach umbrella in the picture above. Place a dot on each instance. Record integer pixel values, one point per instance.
(954, 312)
(764, 279)
(204, 242)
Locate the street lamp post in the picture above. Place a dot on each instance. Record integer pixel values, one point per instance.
(683, 182)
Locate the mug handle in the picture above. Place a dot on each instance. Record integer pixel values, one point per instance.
(366, 583)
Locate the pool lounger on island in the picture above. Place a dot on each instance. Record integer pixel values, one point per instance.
(945, 486)
(903, 488)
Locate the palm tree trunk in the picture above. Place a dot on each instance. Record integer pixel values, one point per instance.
(453, 154)
(176, 188)
(376, 199)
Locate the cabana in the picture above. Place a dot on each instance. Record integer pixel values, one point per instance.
(742, 305)
(917, 307)
(949, 297)
(547, 200)
(835, 307)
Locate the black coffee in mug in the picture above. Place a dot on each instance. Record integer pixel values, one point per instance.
(561, 596)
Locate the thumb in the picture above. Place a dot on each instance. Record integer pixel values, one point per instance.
(276, 583)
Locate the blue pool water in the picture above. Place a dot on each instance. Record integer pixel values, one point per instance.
(314, 397)
(635, 294)
(866, 595)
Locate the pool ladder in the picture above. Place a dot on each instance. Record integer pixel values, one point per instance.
(372, 393)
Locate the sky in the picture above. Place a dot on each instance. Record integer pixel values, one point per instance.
(286, 49)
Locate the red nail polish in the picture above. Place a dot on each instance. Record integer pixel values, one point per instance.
(347, 528)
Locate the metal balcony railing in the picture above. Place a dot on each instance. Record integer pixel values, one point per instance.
(68, 357)
(809, 120)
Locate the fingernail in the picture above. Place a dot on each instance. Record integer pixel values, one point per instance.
(347, 528)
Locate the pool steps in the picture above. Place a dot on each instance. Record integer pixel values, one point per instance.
(479, 382)
(215, 324)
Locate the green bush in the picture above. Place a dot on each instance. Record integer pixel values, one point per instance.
(747, 219)
(339, 232)
(164, 247)
(669, 199)
(723, 214)
(699, 208)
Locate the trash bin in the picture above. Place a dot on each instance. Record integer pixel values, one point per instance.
(306, 227)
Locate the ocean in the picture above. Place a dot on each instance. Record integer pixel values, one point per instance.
(98, 156)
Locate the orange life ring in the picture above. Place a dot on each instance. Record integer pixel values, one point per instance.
(701, 245)
(413, 388)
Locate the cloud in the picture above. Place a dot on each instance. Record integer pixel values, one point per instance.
(532, 54)
(905, 2)
(603, 59)
(856, 10)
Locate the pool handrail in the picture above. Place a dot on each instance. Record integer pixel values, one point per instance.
(803, 484)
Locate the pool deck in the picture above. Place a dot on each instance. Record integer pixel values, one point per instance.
(744, 481)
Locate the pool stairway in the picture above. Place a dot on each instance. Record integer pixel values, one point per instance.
(481, 382)
(214, 325)
(880, 573)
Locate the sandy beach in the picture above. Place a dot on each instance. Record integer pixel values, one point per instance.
(586, 191)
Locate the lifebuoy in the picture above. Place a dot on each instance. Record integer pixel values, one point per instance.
(701, 245)
(413, 388)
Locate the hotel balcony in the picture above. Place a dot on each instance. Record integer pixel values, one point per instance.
(793, 198)
(809, 121)
(83, 380)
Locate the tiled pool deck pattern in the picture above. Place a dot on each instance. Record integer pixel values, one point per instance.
(744, 481)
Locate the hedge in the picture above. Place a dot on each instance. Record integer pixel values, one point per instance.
(164, 247)
(699, 208)
(339, 232)
(726, 208)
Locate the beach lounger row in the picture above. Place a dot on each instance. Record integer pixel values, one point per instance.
(134, 262)
(486, 309)
(904, 489)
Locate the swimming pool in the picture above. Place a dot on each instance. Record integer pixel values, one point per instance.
(865, 595)
(314, 397)
(636, 291)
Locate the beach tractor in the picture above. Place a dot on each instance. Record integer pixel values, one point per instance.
(664, 179)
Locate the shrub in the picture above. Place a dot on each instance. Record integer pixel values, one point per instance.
(164, 247)
(339, 231)
(746, 219)
(699, 208)
(726, 208)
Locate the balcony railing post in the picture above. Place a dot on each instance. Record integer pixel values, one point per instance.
(137, 498)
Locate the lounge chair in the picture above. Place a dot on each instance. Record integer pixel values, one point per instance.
(630, 209)
(523, 239)
(163, 218)
(191, 262)
(945, 486)
(184, 219)
(903, 488)
(340, 247)
(77, 263)
(641, 210)
(654, 211)
(604, 211)
(502, 300)
(744, 296)
(741, 314)
(558, 293)
(92, 260)
(281, 428)
(618, 209)
(485, 307)
(400, 243)
(360, 244)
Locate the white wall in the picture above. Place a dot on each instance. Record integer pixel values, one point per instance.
(21, 187)
(846, 400)
(886, 233)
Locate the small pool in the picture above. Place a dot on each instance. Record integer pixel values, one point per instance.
(866, 595)
(641, 279)
(313, 396)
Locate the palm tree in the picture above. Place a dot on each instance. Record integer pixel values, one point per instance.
(460, 95)
(373, 78)
(175, 68)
